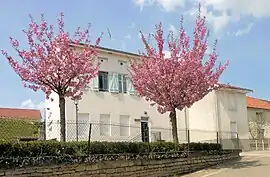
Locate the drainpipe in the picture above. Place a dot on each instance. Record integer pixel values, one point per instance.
(217, 116)
(186, 123)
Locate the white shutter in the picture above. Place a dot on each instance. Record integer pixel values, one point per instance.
(87, 86)
(110, 77)
(113, 82)
(94, 83)
(116, 83)
(131, 90)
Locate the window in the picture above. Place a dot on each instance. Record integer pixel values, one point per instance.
(122, 79)
(232, 102)
(83, 126)
(105, 127)
(124, 125)
(103, 81)
(102, 59)
(122, 63)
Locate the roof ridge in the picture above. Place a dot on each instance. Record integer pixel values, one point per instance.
(30, 109)
(268, 101)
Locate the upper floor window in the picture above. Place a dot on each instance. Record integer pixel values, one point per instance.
(122, 83)
(112, 82)
(102, 59)
(103, 81)
(232, 106)
(122, 63)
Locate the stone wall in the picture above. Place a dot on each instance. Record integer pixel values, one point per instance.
(131, 168)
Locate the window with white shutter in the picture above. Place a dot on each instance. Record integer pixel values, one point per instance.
(122, 83)
(113, 82)
(103, 81)
(131, 90)
(94, 83)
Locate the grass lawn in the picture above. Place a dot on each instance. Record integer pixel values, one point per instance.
(11, 129)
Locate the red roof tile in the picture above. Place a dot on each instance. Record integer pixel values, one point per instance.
(257, 103)
(14, 113)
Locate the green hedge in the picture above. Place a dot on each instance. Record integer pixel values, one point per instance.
(55, 148)
(14, 129)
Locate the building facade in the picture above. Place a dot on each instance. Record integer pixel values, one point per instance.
(116, 113)
(259, 118)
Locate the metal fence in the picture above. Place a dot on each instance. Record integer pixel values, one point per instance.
(81, 131)
(259, 144)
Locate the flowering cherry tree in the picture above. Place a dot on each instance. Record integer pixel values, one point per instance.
(51, 64)
(183, 78)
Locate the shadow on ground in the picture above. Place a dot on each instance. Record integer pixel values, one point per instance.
(239, 163)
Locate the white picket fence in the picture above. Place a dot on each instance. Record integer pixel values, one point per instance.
(260, 145)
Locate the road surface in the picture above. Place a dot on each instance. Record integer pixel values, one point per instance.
(252, 164)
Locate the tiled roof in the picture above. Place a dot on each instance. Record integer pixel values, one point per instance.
(14, 113)
(257, 103)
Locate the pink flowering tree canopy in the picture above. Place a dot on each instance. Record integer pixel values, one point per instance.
(181, 79)
(51, 64)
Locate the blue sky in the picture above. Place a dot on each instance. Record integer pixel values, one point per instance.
(242, 28)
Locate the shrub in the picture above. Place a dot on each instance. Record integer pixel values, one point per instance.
(55, 148)
(15, 129)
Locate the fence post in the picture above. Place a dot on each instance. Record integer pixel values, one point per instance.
(217, 137)
(188, 135)
(256, 145)
(262, 145)
(268, 144)
(89, 137)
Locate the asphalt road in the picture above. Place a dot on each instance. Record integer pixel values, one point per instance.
(252, 164)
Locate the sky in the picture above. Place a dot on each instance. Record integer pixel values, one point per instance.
(242, 28)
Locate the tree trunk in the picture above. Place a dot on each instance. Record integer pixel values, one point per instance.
(62, 118)
(174, 126)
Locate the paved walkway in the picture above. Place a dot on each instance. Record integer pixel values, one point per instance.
(252, 164)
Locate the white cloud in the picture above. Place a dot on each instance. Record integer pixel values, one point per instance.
(217, 21)
(167, 5)
(219, 13)
(32, 104)
(128, 36)
(245, 30)
(259, 8)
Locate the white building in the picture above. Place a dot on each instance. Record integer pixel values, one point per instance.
(111, 99)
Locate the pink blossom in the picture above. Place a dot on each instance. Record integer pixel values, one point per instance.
(182, 79)
(50, 63)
